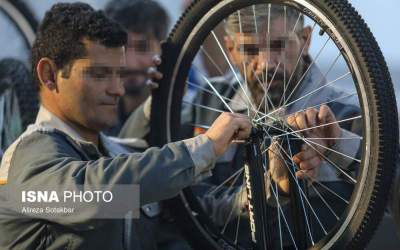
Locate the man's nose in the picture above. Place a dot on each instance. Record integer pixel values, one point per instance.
(269, 58)
(116, 87)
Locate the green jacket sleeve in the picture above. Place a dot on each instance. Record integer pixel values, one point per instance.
(161, 172)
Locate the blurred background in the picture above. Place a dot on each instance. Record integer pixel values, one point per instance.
(382, 19)
(17, 33)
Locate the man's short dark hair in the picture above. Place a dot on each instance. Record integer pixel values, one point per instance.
(61, 33)
(140, 16)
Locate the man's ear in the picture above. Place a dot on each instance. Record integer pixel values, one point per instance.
(305, 36)
(46, 71)
(229, 43)
(230, 47)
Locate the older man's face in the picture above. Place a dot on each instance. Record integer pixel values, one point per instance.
(263, 57)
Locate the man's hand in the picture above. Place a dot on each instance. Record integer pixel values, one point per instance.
(312, 121)
(310, 157)
(227, 127)
(153, 74)
(278, 169)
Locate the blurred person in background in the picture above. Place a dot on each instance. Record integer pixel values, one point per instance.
(146, 23)
(18, 100)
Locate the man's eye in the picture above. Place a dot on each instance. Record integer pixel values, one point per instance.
(141, 45)
(124, 73)
(277, 44)
(98, 73)
(250, 50)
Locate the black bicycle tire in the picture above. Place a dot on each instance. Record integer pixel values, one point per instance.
(27, 14)
(395, 199)
(380, 92)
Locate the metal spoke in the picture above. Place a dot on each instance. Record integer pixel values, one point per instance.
(199, 125)
(218, 69)
(212, 93)
(318, 105)
(297, 184)
(266, 91)
(246, 89)
(214, 189)
(300, 189)
(211, 60)
(332, 163)
(305, 197)
(282, 213)
(300, 55)
(308, 69)
(297, 21)
(325, 75)
(332, 150)
(230, 66)
(300, 98)
(325, 202)
(284, 51)
(204, 107)
(270, 82)
(234, 72)
(229, 216)
(239, 217)
(327, 189)
(268, 51)
(312, 185)
(279, 218)
(314, 180)
(318, 193)
(319, 126)
(329, 138)
(226, 192)
(217, 93)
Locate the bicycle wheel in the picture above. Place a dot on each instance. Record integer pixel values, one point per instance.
(22, 18)
(277, 59)
(18, 15)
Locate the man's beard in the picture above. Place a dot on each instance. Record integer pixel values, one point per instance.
(278, 92)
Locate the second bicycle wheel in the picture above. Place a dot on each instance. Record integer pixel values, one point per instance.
(313, 81)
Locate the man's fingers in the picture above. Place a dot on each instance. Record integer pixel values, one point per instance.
(242, 134)
(311, 117)
(238, 115)
(250, 71)
(244, 128)
(151, 84)
(306, 174)
(227, 127)
(301, 121)
(297, 121)
(291, 120)
(325, 115)
(305, 155)
(301, 174)
(154, 74)
(157, 60)
(310, 164)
